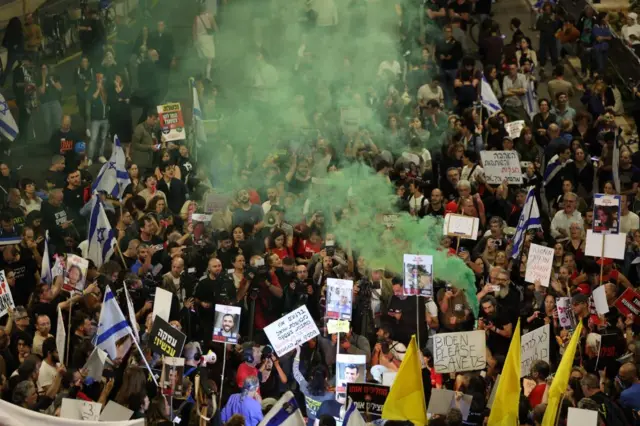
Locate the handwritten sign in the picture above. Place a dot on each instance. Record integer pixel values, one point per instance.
(514, 128)
(291, 330)
(564, 311)
(456, 225)
(500, 166)
(337, 326)
(369, 398)
(6, 300)
(456, 352)
(164, 339)
(539, 264)
(534, 346)
(171, 122)
(78, 409)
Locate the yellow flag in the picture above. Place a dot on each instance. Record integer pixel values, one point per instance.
(504, 411)
(406, 398)
(561, 379)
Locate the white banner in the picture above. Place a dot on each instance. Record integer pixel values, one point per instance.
(500, 166)
(456, 352)
(12, 415)
(534, 346)
(539, 264)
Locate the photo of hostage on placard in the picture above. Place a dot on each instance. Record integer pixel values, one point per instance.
(349, 369)
(418, 275)
(227, 324)
(171, 380)
(339, 296)
(606, 214)
(75, 276)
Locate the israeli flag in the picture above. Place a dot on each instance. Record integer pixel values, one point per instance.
(529, 218)
(352, 417)
(101, 239)
(113, 177)
(198, 125)
(285, 413)
(112, 325)
(531, 99)
(553, 168)
(45, 272)
(8, 126)
(488, 98)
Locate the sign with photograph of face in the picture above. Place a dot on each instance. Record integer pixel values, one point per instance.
(227, 324)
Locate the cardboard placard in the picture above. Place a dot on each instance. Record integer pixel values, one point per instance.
(539, 264)
(164, 339)
(629, 303)
(162, 304)
(349, 369)
(339, 299)
(171, 122)
(514, 128)
(294, 329)
(418, 275)
(114, 412)
(79, 409)
(500, 166)
(457, 225)
(369, 398)
(171, 379)
(565, 317)
(614, 245)
(337, 326)
(6, 300)
(600, 300)
(606, 214)
(75, 277)
(457, 352)
(582, 417)
(226, 327)
(534, 346)
(443, 400)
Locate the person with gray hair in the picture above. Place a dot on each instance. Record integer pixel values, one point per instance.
(561, 223)
(613, 413)
(245, 403)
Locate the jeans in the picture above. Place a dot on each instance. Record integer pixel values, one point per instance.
(548, 46)
(99, 129)
(600, 59)
(51, 117)
(585, 59)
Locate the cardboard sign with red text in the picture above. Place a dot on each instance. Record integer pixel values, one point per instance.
(171, 122)
(629, 303)
(539, 264)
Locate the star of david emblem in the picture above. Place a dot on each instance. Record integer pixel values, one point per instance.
(101, 237)
(4, 108)
(112, 165)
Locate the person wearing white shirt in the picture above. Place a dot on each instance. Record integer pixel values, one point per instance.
(430, 91)
(417, 201)
(49, 365)
(564, 218)
(629, 221)
(273, 199)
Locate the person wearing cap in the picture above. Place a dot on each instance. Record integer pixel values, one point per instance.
(245, 403)
(580, 304)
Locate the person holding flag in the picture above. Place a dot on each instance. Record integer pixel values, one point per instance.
(113, 177)
(529, 218)
(102, 242)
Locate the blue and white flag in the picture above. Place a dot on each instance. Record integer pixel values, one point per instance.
(352, 417)
(488, 98)
(7, 241)
(554, 167)
(284, 413)
(45, 272)
(615, 163)
(113, 177)
(101, 237)
(531, 99)
(8, 126)
(112, 325)
(529, 218)
(198, 125)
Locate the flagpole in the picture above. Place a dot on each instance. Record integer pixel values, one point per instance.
(144, 359)
(224, 365)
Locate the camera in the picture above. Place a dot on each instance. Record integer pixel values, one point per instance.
(330, 248)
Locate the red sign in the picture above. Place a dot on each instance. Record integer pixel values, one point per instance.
(629, 303)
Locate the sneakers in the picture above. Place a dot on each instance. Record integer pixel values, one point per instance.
(102, 159)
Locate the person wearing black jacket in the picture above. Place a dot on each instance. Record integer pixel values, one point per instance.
(449, 53)
(13, 41)
(182, 302)
(55, 218)
(173, 188)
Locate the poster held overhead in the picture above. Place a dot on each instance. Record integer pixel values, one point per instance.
(339, 298)
(534, 347)
(606, 214)
(6, 299)
(75, 277)
(457, 225)
(171, 380)
(369, 398)
(457, 352)
(539, 264)
(294, 329)
(226, 325)
(565, 319)
(349, 369)
(500, 166)
(614, 245)
(162, 304)
(418, 275)
(164, 339)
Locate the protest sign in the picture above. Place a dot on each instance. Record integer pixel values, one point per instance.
(95, 364)
(500, 166)
(61, 335)
(629, 303)
(171, 122)
(75, 276)
(606, 214)
(337, 326)
(418, 275)
(171, 380)
(534, 346)
(614, 245)
(339, 298)
(514, 128)
(162, 304)
(215, 202)
(79, 409)
(292, 330)
(582, 417)
(539, 264)
(227, 324)
(369, 398)
(164, 339)
(457, 352)
(390, 220)
(6, 300)
(443, 400)
(457, 225)
(349, 369)
(114, 412)
(389, 377)
(600, 300)
(565, 317)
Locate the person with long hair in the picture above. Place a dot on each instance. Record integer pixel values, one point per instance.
(245, 403)
(137, 184)
(279, 244)
(29, 200)
(13, 41)
(133, 391)
(316, 388)
(120, 121)
(158, 412)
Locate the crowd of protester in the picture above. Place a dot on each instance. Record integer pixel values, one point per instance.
(429, 150)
